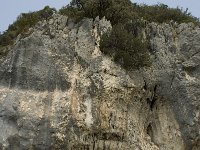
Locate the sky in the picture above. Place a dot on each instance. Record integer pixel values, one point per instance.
(10, 9)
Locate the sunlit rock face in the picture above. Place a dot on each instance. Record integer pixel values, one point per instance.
(58, 91)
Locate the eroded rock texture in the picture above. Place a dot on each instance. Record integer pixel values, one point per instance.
(58, 91)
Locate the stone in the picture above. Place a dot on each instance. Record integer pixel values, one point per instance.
(51, 21)
(58, 91)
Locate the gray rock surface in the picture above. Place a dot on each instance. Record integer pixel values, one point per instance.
(58, 91)
(175, 71)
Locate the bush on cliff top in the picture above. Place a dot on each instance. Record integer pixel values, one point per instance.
(21, 26)
(126, 49)
(124, 43)
(161, 13)
(122, 10)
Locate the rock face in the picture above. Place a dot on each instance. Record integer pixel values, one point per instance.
(58, 91)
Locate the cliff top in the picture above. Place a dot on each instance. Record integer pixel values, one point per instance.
(126, 17)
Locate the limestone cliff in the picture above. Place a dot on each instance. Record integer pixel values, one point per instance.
(58, 91)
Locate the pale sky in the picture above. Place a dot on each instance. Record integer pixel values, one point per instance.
(10, 9)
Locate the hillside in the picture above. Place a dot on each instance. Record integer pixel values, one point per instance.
(73, 81)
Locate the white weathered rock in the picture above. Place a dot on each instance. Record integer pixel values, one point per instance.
(58, 91)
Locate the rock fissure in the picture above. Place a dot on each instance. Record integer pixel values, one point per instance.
(58, 91)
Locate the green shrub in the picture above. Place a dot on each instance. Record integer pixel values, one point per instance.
(126, 49)
(3, 51)
(72, 12)
(114, 10)
(119, 11)
(21, 26)
(125, 42)
(162, 13)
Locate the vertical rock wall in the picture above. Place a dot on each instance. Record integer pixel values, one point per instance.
(58, 91)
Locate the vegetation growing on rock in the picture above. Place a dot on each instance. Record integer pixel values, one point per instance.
(126, 48)
(118, 11)
(124, 43)
(21, 26)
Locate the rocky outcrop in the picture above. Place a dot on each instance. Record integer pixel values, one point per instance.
(175, 72)
(58, 91)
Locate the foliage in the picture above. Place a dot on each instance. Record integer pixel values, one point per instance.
(118, 11)
(124, 43)
(126, 49)
(72, 12)
(3, 51)
(21, 26)
(114, 10)
(162, 13)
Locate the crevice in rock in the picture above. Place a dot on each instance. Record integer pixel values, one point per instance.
(151, 133)
(145, 85)
(172, 80)
(154, 98)
(194, 54)
(108, 136)
(151, 101)
(109, 73)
